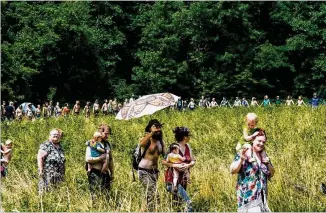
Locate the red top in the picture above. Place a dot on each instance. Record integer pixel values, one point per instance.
(183, 179)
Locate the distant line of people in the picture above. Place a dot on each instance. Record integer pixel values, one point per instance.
(243, 102)
(112, 107)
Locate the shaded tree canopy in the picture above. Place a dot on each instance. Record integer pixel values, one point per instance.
(87, 50)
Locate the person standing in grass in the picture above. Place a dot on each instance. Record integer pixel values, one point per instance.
(182, 136)
(153, 146)
(76, 108)
(244, 102)
(114, 105)
(179, 104)
(314, 101)
(3, 110)
(225, 103)
(87, 110)
(289, 101)
(51, 161)
(96, 108)
(192, 104)
(38, 112)
(237, 102)
(105, 107)
(300, 101)
(278, 101)
(66, 110)
(45, 109)
(100, 180)
(214, 103)
(19, 113)
(57, 110)
(110, 107)
(251, 185)
(266, 102)
(29, 112)
(10, 111)
(254, 102)
(50, 109)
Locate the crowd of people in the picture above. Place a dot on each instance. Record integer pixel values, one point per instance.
(178, 158)
(112, 107)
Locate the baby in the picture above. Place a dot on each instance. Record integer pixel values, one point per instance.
(250, 131)
(6, 152)
(175, 158)
(97, 149)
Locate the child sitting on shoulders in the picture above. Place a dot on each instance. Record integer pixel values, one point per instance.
(250, 131)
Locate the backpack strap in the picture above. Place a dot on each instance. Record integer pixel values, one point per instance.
(146, 147)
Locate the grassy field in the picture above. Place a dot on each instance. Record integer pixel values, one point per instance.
(296, 146)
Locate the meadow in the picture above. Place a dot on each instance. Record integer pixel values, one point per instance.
(296, 145)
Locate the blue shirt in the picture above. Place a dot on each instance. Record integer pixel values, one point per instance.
(314, 102)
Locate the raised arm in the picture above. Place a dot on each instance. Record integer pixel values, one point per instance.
(236, 165)
(249, 137)
(143, 142)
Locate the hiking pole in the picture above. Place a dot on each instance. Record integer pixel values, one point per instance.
(133, 175)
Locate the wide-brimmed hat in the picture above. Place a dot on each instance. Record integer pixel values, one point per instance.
(151, 123)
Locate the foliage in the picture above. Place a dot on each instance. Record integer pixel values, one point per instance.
(88, 50)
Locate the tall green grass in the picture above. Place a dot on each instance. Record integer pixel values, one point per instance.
(296, 146)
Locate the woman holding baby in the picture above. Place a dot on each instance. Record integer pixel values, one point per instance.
(187, 160)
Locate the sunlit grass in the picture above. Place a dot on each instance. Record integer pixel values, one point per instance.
(296, 146)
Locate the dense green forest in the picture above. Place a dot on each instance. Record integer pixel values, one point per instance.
(87, 50)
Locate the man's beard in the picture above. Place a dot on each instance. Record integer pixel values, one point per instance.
(158, 136)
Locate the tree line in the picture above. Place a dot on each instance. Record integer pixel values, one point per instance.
(89, 50)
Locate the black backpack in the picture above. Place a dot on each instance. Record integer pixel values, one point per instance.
(137, 156)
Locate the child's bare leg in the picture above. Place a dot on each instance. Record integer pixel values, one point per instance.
(104, 167)
(175, 179)
(89, 167)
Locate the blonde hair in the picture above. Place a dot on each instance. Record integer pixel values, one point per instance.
(97, 135)
(54, 132)
(251, 117)
(8, 142)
